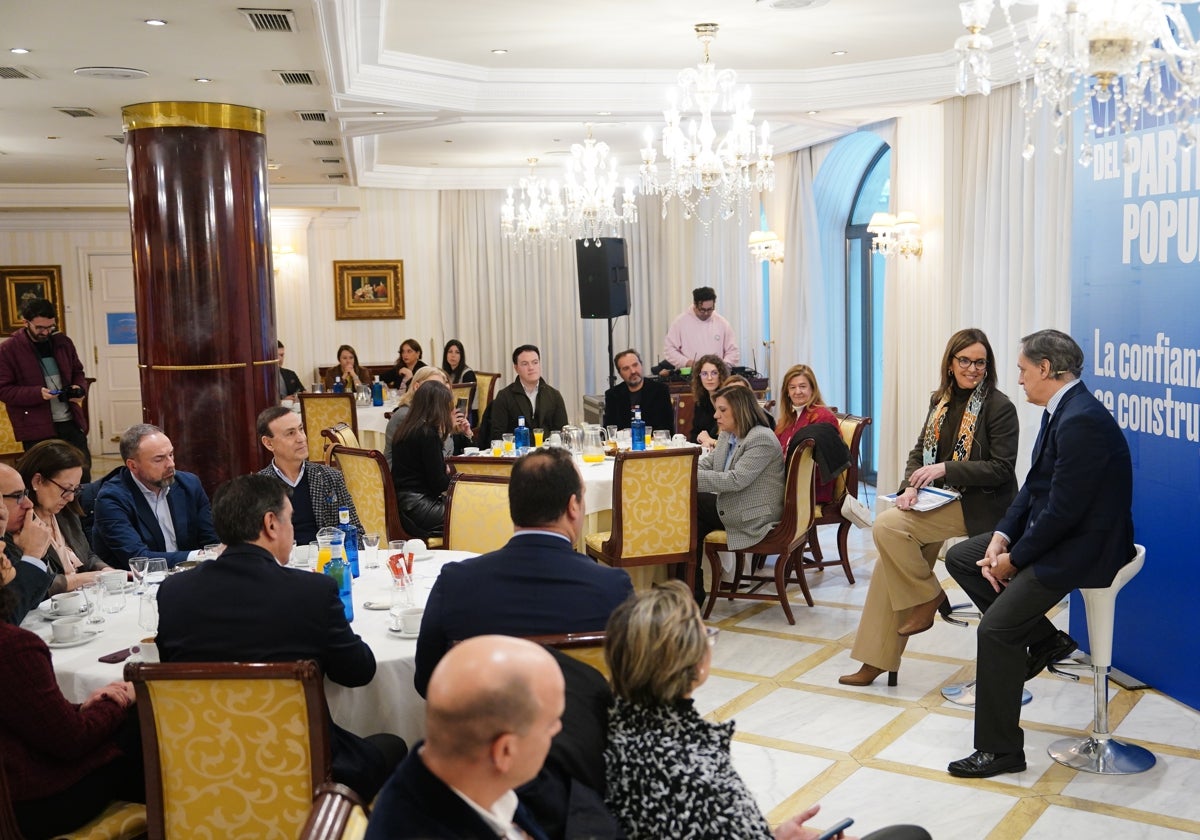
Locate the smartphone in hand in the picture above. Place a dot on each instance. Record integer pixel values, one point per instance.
(837, 830)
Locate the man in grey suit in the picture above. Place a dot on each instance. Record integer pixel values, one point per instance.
(1070, 526)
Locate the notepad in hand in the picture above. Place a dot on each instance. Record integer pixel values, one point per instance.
(930, 498)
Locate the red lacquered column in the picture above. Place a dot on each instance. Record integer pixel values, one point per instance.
(202, 272)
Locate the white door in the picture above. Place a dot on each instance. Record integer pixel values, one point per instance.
(116, 398)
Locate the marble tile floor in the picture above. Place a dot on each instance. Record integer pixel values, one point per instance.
(879, 754)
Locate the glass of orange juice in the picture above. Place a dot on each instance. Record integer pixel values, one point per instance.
(509, 444)
(497, 448)
(539, 435)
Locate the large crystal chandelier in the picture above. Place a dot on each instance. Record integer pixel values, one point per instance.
(539, 215)
(701, 168)
(590, 193)
(1125, 63)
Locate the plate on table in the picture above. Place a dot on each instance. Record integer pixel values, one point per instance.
(50, 615)
(400, 634)
(82, 640)
(428, 555)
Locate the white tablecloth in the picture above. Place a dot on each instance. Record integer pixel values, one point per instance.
(372, 425)
(389, 703)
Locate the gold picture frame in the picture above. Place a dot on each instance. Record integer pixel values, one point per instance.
(22, 282)
(366, 289)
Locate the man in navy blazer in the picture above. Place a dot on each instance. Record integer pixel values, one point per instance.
(1069, 527)
(148, 509)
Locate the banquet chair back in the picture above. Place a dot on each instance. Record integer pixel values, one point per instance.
(471, 465)
(786, 539)
(232, 749)
(10, 448)
(337, 814)
(464, 390)
(586, 647)
(477, 515)
(852, 428)
(118, 821)
(338, 434)
(684, 406)
(485, 391)
(654, 504)
(323, 411)
(369, 481)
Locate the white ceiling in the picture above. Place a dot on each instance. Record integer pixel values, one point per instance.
(455, 114)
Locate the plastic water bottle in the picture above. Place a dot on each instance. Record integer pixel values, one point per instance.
(338, 569)
(377, 392)
(350, 544)
(338, 386)
(521, 435)
(637, 432)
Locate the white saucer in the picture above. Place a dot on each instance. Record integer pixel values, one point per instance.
(400, 634)
(51, 615)
(428, 555)
(82, 640)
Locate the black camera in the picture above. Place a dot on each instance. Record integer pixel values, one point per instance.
(72, 393)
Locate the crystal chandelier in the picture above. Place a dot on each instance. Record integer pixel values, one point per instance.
(1133, 61)
(539, 216)
(590, 193)
(701, 167)
(896, 236)
(766, 246)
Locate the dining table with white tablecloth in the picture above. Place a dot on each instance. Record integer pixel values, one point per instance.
(389, 703)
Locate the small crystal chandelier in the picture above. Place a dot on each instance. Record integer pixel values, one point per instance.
(896, 236)
(766, 246)
(701, 168)
(590, 193)
(1133, 60)
(540, 215)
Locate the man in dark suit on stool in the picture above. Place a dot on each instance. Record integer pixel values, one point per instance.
(1069, 527)
(246, 606)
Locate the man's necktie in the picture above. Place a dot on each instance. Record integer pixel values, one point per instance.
(1037, 445)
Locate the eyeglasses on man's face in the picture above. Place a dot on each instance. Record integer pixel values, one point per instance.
(17, 497)
(965, 364)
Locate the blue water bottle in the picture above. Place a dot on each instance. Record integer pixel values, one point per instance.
(350, 544)
(521, 438)
(338, 569)
(376, 392)
(338, 387)
(637, 432)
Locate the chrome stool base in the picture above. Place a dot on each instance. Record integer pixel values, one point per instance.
(963, 694)
(1107, 756)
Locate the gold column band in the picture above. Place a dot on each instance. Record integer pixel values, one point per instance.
(192, 115)
(229, 366)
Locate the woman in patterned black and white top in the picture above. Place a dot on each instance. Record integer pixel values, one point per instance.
(668, 771)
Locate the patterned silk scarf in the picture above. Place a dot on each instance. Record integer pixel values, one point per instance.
(966, 429)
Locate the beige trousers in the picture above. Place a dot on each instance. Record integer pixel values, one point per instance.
(908, 543)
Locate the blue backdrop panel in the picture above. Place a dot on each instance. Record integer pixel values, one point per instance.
(1136, 313)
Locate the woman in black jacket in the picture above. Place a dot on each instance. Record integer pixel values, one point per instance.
(418, 463)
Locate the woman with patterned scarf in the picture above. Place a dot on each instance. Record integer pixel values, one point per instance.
(968, 443)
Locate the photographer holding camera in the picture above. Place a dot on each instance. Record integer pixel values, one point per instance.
(42, 382)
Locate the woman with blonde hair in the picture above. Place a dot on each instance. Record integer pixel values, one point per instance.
(462, 426)
(800, 404)
(968, 443)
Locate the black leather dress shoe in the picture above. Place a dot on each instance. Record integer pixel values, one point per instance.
(981, 765)
(1057, 647)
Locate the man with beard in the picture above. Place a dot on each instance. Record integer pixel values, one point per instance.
(42, 382)
(650, 396)
(148, 509)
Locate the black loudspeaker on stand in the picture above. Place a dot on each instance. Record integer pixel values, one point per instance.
(603, 285)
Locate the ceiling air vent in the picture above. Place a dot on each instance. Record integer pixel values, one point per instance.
(16, 73)
(75, 111)
(338, 176)
(333, 161)
(313, 116)
(297, 77)
(270, 20)
(118, 138)
(324, 143)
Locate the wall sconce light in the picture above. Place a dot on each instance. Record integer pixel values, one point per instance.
(766, 246)
(279, 255)
(896, 235)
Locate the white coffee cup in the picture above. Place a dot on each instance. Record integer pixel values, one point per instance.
(67, 603)
(679, 440)
(410, 620)
(71, 629)
(114, 581)
(149, 650)
(415, 547)
(471, 450)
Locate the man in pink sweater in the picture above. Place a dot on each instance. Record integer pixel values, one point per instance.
(700, 331)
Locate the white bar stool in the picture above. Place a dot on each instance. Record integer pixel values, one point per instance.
(1101, 753)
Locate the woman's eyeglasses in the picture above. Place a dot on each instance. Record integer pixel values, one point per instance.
(708, 374)
(66, 491)
(965, 364)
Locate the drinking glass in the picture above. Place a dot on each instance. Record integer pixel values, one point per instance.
(156, 570)
(649, 437)
(211, 551)
(662, 438)
(497, 448)
(148, 610)
(137, 565)
(539, 437)
(94, 594)
(114, 590)
(371, 544)
(395, 556)
(510, 445)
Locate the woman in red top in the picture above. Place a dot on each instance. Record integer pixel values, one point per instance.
(801, 405)
(64, 762)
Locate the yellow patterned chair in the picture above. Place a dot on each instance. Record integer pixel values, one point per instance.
(464, 391)
(852, 428)
(10, 448)
(339, 434)
(787, 539)
(485, 392)
(654, 511)
(586, 647)
(477, 514)
(232, 749)
(324, 411)
(337, 814)
(369, 481)
(472, 465)
(119, 821)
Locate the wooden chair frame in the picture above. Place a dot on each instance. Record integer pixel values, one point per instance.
(831, 512)
(684, 409)
(331, 811)
(391, 508)
(334, 437)
(472, 465)
(315, 434)
(786, 539)
(305, 670)
(485, 390)
(609, 551)
(455, 481)
(464, 389)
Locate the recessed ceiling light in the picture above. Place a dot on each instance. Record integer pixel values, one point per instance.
(604, 113)
(838, 52)
(272, 166)
(379, 113)
(202, 80)
(19, 51)
(812, 113)
(111, 169)
(447, 141)
(155, 22)
(499, 52)
(51, 136)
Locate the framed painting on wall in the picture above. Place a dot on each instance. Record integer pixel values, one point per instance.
(368, 289)
(22, 283)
